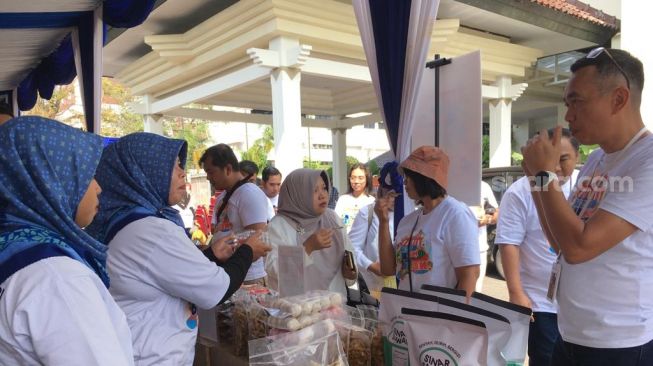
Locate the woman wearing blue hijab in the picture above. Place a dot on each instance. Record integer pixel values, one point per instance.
(54, 305)
(157, 273)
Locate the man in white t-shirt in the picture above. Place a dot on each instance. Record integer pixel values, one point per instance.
(605, 231)
(528, 257)
(242, 205)
(485, 217)
(271, 187)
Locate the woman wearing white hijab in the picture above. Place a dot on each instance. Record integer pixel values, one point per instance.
(304, 220)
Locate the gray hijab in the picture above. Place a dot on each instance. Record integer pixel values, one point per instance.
(296, 203)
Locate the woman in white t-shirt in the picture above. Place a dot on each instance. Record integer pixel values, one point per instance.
(357, 196)
(55, 308)
(158, 277)
(436, 244)
(305, 222)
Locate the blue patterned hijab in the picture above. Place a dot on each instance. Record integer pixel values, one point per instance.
(135, 174)
(45, 169)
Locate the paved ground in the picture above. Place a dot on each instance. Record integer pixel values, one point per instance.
(493, 285)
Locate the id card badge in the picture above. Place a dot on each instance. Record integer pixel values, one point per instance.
(554, 280)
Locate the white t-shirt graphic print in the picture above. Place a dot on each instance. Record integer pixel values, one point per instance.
(607, 302)
(444, 239)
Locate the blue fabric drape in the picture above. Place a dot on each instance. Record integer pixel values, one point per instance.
(390, 20)
(39, 20)
(126, 13)
(45, 170)
(135, 174)
(56, 69)
(59, 67)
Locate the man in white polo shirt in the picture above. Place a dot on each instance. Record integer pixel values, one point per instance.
(605, 231)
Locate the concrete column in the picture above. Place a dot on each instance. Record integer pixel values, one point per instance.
(562, 111)
(339, 150)
(286, 113)
(636, 27)
(153, 124)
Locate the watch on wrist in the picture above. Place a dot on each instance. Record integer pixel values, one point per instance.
(544, 177)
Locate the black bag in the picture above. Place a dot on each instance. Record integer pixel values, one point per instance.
(361, 296)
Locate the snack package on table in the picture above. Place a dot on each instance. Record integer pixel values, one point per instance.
(357, 343)
(245, 299)
(318, 344)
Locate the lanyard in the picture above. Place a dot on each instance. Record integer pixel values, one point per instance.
(621, 153)
(410, 244)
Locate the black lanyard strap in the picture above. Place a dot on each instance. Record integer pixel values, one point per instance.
(410, 244)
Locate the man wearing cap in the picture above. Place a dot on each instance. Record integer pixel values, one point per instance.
(604, 233)
(438, 243)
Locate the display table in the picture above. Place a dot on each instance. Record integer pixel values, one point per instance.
(208, 353)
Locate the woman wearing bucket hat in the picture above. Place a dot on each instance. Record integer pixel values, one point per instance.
(436, 244)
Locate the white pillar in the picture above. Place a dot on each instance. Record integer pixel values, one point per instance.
(153, 123)
(286, 119)
(562, 111)
(501, 119)
(285, 57)
(339, 151)
(636, 27)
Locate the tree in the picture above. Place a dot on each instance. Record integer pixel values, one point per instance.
(258, 152)
(116, 116)
(63, 98)
(118, 119)
(195, 132)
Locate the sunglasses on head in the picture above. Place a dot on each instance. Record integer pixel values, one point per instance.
(598, 51)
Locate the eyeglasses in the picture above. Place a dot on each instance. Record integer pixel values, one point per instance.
(598, 51)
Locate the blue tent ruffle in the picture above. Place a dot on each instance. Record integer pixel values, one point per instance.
(59, 67)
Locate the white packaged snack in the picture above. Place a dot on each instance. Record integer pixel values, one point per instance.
(444, 292)
(519, 317)
(318, 345)
(498, 327)
(395, 347)
(520, 320)
(439, 339)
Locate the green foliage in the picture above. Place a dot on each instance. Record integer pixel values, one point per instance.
(258, 152)
(485, 151)
(63, 97)
(117, 118)
(584, 152)
(312, 165)
(373, 167)
(195, 132)
(351, 161)
(516, 158)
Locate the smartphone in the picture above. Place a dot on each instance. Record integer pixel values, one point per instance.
(349, 260)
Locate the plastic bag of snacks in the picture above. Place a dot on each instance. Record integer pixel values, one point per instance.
(318, 344)
(357, 343)
(225, 322)
(245, 299)
(376, 347)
